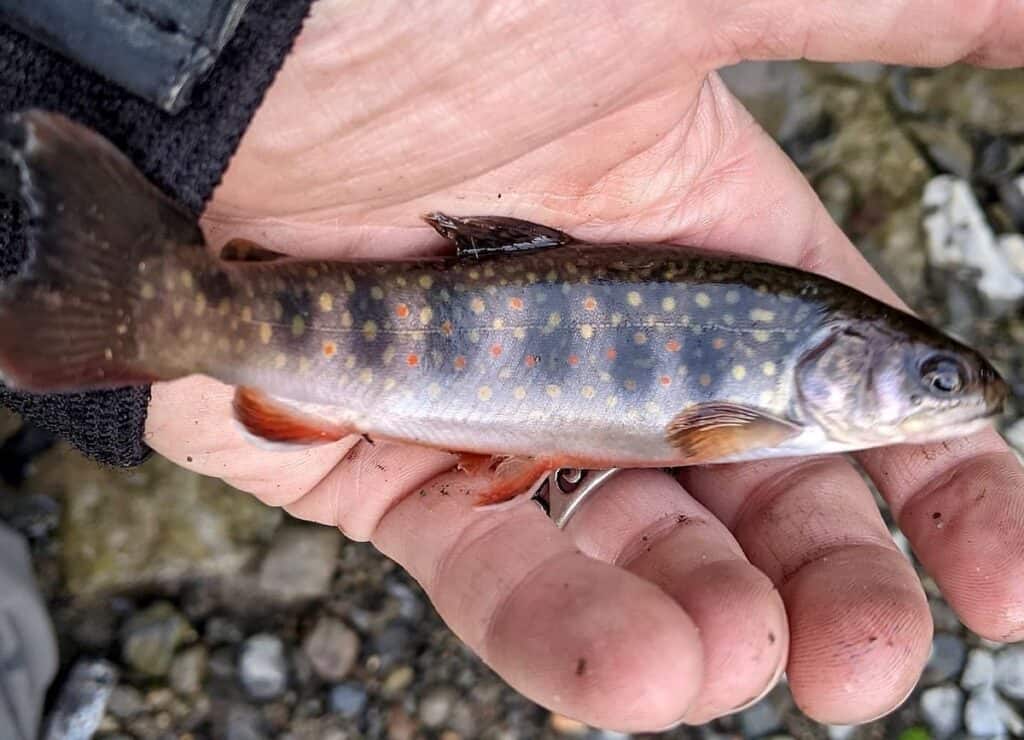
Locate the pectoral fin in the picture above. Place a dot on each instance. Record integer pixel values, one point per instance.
(274, 421)
(483, 236)
(712, 431)
(243, 250)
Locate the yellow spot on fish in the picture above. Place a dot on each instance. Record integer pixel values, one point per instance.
(519, 332)
(298, 325)
(519, 393)
(768, 368)
(326, 302)
(280, 360)
(474, 274)
(400, 281)
(766, 398)
(346, 319)
(705, 380)
(122, 329)
(266, 332)
(389, 384)
(426, 314)
(278, 310)
(553, 391)
(616, 319)
(668, 303)
(732, 297)
(587, 391)
(586, 331)
(388, 356)
(630, 385)
(739, 372)
(178, 308)
(477, 305)
(186, 279)
(633, 298)
(376, 292)
(612, 402)
(554, 319)
(484, 393)
(303, 365)
(247, 314)
(348, 283)
(652, 408)
(702, 300)
(434, 390)
(366, 375)
(224, 307)
(108, 353)
(370, 330)
(499, 323)
(350, 362)
(148, 291)
(426, 281)
(473, 335)
(761, 335)
(762, 314)
(640, 338)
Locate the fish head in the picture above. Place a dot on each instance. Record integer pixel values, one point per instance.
(875, 382)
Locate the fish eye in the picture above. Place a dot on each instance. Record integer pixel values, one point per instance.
(943, 376)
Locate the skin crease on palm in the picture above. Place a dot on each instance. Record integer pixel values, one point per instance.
(664, 600)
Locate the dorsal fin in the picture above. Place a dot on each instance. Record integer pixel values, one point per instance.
(484, 236)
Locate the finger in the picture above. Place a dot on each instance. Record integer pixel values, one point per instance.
(646, 523)
(913, 32)
(190, 422)
(579, 636)
(960, 505)
(860, 629)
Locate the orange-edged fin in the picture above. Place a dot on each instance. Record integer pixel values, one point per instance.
(513, 477)
(243, 250)
(476, 464)
(275, 421)
(712, 431)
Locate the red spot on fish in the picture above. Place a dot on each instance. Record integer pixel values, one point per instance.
(612, 354)
(459, 362)
(573, 360)
(402, 311)
(531, 360)
(718, 343)
(446, 328)
(516, 304)
(330, 349)
(673, 346)
(590, 303)
(665, 380)
(412, 360)
(496, 350)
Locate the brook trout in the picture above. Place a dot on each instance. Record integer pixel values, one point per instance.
(527, 346)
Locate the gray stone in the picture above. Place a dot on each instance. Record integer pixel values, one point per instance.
(941, 707)
(332, 648)
(959, 237)
(153, 525)
(980, 671)
(841, 732)
(347, 699)
(761, 719)
(301, 562)
(187, 670)
(243, 722)
(1009, 674)
(436, 706)
(982, 714)
(262, 667)
(126, 702)
(943, 617)
(151, 637)
(397, 681)
(82, 701)
(1010, 717)
(946, 659)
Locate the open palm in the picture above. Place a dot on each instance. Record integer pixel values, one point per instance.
(664, 599)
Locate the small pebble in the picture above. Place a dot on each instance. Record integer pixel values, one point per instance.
(152, 636)
(1009, 672)
(187, 669)
(126, 702)
(941, 707)
(347, 699)
(398, 680)
(980, 671)
(262, 667)
(841, 732)
(400, 725)
(332, 648)
(82, 701)
(982, 714)
(565, 726)
(301, 562)
(436, 705)
(763, 718)
(946, 659)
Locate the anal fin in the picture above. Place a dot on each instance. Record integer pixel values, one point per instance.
(484, 236)
(272, 420)
(712, 431)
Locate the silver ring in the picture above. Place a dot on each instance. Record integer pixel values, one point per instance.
(564, 489)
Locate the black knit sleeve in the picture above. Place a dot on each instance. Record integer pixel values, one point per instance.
(185, 154)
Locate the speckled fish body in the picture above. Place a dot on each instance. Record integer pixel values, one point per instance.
(526, 344)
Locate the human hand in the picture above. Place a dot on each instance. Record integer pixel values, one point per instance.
(663, 600)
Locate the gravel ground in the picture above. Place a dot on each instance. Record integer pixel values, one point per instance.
(185, 610)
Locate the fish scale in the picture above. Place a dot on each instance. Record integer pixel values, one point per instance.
(526, 344)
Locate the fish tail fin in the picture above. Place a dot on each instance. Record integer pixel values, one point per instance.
(91, 222)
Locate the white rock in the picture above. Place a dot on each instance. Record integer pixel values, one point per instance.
(980, 671)
(982, 714)
(1009, 671)
(959, 236)
(941, 707)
